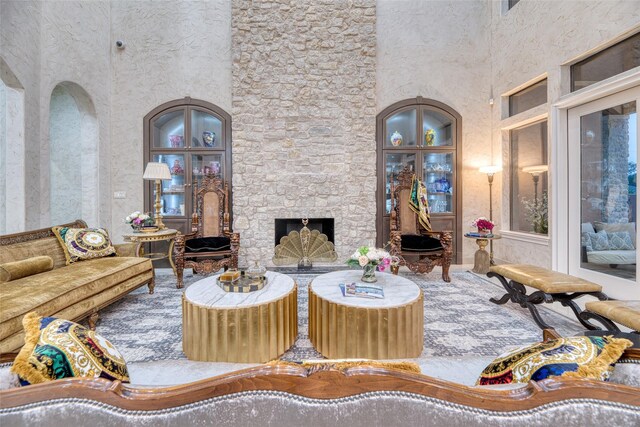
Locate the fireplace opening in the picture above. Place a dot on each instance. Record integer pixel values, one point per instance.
(284, 226)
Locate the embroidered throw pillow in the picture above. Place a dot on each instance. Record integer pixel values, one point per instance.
(599, 241)
(620, 240)
(84, 243)
(588, 357)
(57, 348)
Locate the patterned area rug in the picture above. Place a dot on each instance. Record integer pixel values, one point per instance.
(459, 320)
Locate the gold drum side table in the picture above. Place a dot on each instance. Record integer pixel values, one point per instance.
(254, 327)
(351, 327)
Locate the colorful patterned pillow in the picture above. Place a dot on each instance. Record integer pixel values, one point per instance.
(589, 357)
(57, 348)
(599, 241)
(620, 240)
(84, 243)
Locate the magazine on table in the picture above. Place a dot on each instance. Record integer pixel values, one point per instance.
(361, 290)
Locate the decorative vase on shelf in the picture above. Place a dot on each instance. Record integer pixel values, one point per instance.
(369, 273)
(396, 139)
(484, 230)
(136, 228)
(429, 137)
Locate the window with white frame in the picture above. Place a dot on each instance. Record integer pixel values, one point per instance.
(528, 177)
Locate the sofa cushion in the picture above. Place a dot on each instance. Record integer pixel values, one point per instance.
(49, 246)
(620, 241)
(585, 241)
(629, 227)
(207, 244)
(588, 356)
(25, 268)
(599, 241)
(54, 290)
(612, 257)
(84, 243)
(420, 243)
(57, 348)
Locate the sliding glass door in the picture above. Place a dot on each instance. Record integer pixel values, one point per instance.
(603, 214)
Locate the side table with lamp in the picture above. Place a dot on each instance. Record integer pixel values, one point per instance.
(157, 172)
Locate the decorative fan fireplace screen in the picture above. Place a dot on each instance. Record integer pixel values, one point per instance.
(304, 247)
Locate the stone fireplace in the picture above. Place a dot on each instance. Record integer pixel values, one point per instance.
(304, 118)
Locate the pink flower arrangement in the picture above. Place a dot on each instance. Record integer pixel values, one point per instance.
(483, 223)
(372, 256)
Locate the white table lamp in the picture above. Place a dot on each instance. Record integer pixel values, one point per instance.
(157, 171)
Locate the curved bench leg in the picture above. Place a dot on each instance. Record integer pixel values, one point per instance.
(585, 316)
(507, 286)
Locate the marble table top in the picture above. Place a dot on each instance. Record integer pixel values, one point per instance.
(167, 232)
(207, 293)
(397, 290)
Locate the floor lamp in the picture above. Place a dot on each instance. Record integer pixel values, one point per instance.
(535, 172)
(490, 171)
(157, 171)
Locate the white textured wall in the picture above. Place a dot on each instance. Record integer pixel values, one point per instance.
(440, 50)
(536, 37)
(173, 50)
(75, 48)
(20, 49)
(3, 157)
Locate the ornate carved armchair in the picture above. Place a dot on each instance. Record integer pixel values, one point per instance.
(418, 249)
(211, 245)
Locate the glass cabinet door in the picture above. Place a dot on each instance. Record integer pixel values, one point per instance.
(401, 129)
(206, 164)
(168, 130)
(206, 130)
(438, 176)
(437, 129)
(172, 198)
(394, 163)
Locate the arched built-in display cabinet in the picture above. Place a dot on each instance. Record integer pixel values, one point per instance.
(426, 135)
(193, 137)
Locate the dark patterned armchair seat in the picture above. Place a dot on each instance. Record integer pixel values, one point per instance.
(420, 243)
(207, 244)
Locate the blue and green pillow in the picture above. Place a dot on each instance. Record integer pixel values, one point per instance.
(57, 348)
(588, 357)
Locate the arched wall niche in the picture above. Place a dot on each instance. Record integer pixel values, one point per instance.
(73, 155)
(12, 152)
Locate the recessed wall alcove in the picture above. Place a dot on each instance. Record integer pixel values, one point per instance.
(73, 155)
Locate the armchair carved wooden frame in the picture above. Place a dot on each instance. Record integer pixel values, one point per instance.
(211, 245)
(418, 249)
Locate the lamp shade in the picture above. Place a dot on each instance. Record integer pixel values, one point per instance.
(156, 170)
(490, 170)
(535, 170)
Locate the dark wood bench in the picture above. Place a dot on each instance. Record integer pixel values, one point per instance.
(551, 287)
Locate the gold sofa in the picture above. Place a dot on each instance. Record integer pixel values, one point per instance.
(68, 291)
